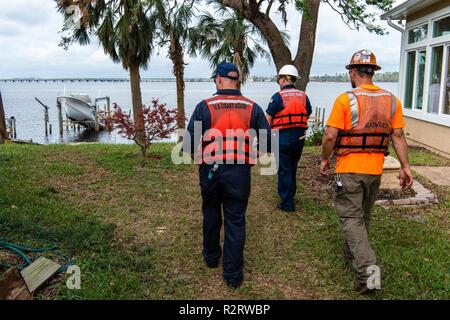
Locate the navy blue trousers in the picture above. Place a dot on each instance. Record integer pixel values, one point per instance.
(290, 151)
(230, 190)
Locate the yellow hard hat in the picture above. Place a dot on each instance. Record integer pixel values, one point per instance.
(363, 58)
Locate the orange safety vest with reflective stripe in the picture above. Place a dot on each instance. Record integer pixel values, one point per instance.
(294, 113)
(229, 139)
(372, 114)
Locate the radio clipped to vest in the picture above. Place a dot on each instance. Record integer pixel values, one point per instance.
(372, 114)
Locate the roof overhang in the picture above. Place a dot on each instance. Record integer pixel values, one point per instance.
(409, 7)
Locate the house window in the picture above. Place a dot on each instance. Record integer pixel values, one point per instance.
(441, 27)
(410, 68)
(418, 34)
(421, 59)
(447, 85)
(415, 79)
(435, 79)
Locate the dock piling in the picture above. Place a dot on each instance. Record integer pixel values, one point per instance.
(323, 117)
(14, 127)
(60, 118)
(3, 133)
(97, 127)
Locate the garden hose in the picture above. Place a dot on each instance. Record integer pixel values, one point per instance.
(23, 251)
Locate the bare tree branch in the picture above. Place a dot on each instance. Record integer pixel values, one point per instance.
(269, 7)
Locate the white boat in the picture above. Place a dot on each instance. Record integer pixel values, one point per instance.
(78, 108)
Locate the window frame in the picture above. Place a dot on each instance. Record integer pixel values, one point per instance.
(426, 45)
(415, 87)
(432, 26)
(416, 79)
(420, 41)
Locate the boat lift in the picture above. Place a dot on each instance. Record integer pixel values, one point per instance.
(99, 113)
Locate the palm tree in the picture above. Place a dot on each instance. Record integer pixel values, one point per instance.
(126, 32)
(231, 38)
(174, 31)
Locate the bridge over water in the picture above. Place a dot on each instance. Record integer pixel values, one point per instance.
(13, 80)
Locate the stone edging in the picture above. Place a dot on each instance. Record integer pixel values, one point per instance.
(423, 196)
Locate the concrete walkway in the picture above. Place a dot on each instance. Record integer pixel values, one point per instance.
(438, 175)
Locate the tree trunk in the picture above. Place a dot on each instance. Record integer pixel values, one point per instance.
(307, 42)
(3, 134)
(177, 57)
(237, 60)
(136, 96)
(280, 52)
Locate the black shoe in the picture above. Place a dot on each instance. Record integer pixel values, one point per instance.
(212, 265)
(361, 288)
(285, 209)
(234, 286)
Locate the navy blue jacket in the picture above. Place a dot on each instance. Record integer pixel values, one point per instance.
(276, 105)
(201, 113)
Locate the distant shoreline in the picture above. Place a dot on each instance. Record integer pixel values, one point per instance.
(333, 78)
(64, 80)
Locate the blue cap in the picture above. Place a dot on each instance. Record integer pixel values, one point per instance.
(224, 68)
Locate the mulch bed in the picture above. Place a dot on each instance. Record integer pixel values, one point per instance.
(321, 188)
(318, 187)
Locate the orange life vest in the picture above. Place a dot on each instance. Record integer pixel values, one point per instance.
(372, 114)
(294, 114)
(229, 139)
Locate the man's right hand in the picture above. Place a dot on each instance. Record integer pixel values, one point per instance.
(324, 167)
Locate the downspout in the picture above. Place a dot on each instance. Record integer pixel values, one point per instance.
(402, 31)
(395, 26)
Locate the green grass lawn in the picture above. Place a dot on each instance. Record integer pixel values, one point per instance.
(134, 228)
(419, 156)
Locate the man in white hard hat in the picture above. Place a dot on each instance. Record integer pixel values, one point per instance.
(288, 112)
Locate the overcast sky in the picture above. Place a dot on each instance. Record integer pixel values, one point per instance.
(29, 47)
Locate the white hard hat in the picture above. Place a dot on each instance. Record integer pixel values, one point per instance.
(289, 70)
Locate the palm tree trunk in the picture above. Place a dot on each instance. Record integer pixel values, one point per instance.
(237, 60)
(136, 96)
(177, 57)
(3, 134)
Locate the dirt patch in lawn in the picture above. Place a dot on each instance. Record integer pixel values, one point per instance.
(319, 188)
(322, 188)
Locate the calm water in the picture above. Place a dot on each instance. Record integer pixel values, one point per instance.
(18, 99)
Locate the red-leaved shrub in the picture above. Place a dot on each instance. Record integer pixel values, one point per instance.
(159, 123)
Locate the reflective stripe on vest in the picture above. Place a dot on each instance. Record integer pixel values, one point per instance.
(372, 114)
(294, 113)
(229, 139)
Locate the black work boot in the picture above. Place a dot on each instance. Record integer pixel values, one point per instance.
(233, 286)
(361, 287)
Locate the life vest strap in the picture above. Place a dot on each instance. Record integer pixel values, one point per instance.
(245, 139)
(290, 123)
(233, 151)
(364, 144)
(302, 122)
(291, 115)
(362, 147)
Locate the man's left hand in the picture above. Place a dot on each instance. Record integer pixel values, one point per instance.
(406, 178)
(324, 167)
